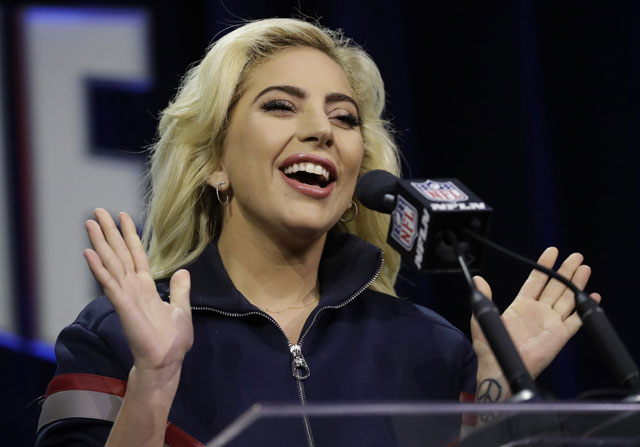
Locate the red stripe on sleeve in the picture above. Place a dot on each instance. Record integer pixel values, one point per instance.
(87, 382)
(174, 436)
(468, 418)
(467, 397)
(454, 443)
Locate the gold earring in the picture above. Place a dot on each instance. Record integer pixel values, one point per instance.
(354, 206)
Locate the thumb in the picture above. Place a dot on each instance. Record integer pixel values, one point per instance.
(477, 335)
(482, 286)
(179, 288)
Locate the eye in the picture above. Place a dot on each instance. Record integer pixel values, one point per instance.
(345, 118)
(277, 105)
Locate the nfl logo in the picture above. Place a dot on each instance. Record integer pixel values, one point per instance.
(405, 222)
(440, 191)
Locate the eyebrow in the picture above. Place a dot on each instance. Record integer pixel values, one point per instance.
(299, 93)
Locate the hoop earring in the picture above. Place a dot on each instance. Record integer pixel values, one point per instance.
(226, 199)
(354, 205)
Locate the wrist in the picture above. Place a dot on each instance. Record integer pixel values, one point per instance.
(488, 367)
(156, 388)
(143, 416)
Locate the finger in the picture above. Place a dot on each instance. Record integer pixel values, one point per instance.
(104, 251)
(572, 324)
(179, 288)
(114, 238)
(537, 280)
(476, 330)
(566, 303)
(101, 274)
(554, 289)
(573, 321)
(138, 255)
(483, 286)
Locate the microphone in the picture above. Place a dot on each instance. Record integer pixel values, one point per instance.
(421, 213)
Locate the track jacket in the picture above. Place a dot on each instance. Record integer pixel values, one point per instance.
(356, 346)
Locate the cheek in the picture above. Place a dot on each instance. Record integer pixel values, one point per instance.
(263, 139)
(353, 157)
(249, 147)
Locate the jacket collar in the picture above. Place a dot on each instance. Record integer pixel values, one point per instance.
(348, 264)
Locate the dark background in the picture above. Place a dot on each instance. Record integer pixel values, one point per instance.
(535, 105)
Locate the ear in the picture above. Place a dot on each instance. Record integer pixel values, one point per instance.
(219, 177)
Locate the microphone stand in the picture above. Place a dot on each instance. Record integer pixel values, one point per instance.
(520, 382)
(522, 386)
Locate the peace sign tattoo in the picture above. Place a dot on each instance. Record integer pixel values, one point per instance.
(489, 391)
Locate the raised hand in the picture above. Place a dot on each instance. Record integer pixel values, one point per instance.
(540, 320)
(159, 333)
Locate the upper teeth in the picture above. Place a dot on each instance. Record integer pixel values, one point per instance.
(310, 168)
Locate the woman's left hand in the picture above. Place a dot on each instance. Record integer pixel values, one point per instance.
(540, 320)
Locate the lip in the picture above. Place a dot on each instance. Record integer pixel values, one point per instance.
(309, 190)
(303, 188)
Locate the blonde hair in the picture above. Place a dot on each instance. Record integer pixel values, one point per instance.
(184, 215)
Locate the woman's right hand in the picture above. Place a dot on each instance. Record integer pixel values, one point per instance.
(159, 333)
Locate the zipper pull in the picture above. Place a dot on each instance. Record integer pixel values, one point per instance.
(299, 367)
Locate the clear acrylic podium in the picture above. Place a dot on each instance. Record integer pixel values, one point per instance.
(546, 424)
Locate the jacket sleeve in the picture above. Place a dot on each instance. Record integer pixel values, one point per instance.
(84, 397)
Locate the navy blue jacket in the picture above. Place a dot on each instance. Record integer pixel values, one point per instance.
(359, 346)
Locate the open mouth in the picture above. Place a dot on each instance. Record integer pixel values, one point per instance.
(314, 173)
(309, 173)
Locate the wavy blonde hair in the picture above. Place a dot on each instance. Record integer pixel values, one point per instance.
(183, 215)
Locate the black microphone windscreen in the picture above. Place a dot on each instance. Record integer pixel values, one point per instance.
(372, 188)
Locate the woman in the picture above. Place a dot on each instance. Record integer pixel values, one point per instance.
(277, 291)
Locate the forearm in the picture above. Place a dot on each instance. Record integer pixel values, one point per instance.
(142, 419)
(492, 387)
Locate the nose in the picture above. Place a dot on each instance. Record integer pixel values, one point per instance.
(314, 127)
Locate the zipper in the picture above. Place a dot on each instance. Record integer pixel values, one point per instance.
(300, 371)
(299, 368)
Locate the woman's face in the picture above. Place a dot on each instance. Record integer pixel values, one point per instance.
(293, 148)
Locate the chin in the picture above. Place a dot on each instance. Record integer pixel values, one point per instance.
(308, 228)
